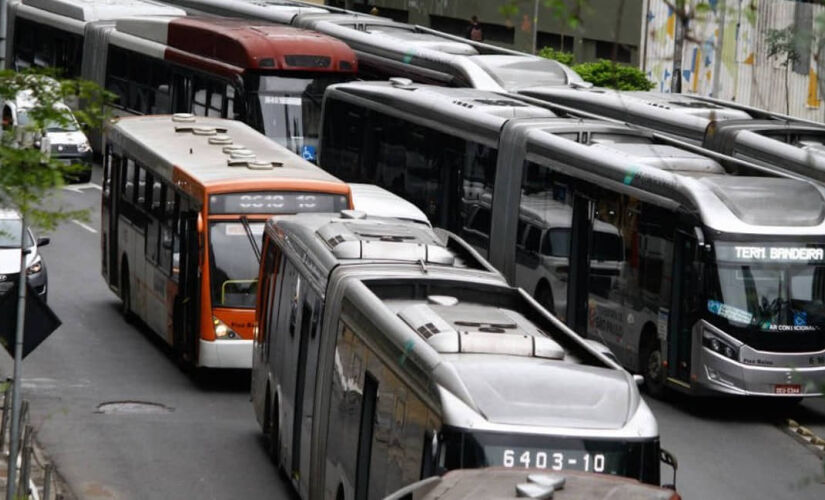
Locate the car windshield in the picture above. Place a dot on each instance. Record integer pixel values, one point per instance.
(754, 290)
(66, 125)
(234, 265)
(10, 234)
(290, 110)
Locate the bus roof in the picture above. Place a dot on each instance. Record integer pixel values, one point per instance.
(486, 111)
(101, 10)
(279, 11)
(353, 237)
(501, 483)
(246, 45)
(465, 309)
(212, 152)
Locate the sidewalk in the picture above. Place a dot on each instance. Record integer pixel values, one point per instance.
(40, 487)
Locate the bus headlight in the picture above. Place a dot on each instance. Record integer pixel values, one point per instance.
(719, 346)
(222, 331)
(84, 147)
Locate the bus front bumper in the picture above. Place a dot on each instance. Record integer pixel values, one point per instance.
(715, 373)
(225, 354)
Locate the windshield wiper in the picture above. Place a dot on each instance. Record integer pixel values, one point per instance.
(248, 230)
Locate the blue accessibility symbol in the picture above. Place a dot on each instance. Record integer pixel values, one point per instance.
(800, 318)
(308, 153)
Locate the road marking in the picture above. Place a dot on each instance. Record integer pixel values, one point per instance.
(85, 226)
(78, 188)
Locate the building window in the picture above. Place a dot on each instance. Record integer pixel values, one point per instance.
(563, 43)
(605, 50)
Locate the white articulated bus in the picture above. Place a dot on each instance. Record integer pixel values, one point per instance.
(773, 140)
(184, 204)
(704, 273)
(386, 352)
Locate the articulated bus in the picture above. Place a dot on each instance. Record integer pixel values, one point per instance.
(702, 273)
(271, 77)
(386, 48)
(769, 139)
(387, 352)
(184, 203)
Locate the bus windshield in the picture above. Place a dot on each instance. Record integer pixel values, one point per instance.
(234, 264)
(754, 290)
(290, 109)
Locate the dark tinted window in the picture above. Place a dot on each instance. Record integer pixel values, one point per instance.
(43, 46)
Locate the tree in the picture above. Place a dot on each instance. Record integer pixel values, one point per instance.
(784, 45)
(604, 73)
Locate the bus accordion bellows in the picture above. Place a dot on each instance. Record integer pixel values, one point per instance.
(183, 208)
(704, 273)
(386, 48)
(386, 352)
(270, 76)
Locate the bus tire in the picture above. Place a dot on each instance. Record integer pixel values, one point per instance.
(272, 431)
(544, 296)
(126, 293)
(651, 366)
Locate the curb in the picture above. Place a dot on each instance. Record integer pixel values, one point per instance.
(805, 436)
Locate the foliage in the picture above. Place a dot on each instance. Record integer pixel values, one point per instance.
(569, 11)
(28, 175)
(783, 43)
(557, 55)
(604, 73)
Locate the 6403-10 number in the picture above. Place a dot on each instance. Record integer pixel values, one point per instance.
(554, 461)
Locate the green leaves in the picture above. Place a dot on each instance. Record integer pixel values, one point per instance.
(604, 73)
(557, 55)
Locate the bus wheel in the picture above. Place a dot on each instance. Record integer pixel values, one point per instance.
(652, 367)
(126, 294)
(545, 297)
(272, 433)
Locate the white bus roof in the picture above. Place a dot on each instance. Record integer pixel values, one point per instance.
(102, 10)
(211, 150)
(376, 201)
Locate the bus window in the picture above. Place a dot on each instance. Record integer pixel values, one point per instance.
(543, 268)
(365, 432)
(234, 267)
(344, 127)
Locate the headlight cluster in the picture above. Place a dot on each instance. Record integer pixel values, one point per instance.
(719, 346)
(84, 147)
(222, 331)
(35, 268)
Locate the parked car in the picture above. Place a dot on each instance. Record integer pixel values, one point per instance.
(10, 233)
(63, 140)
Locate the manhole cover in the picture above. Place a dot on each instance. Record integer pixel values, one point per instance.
(132, 407)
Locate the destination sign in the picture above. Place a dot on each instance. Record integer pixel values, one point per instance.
(771, 253)
(276, 203)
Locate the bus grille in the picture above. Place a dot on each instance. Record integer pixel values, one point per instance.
(308, 61)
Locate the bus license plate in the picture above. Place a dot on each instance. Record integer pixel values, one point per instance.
(787, 389)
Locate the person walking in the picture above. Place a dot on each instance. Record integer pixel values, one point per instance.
(474, 31)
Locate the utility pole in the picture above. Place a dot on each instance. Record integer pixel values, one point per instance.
(14, 444)
(535, 26)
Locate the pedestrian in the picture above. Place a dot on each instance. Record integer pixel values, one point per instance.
(374, 11)
(474, 30)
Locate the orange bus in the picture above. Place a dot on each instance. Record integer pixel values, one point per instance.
(184, 204)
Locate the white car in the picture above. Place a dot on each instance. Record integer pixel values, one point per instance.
(64, 141)
(10, 232)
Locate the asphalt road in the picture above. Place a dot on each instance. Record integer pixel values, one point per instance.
(204, 442)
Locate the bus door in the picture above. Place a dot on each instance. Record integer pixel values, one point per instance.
(185, 257)
(109, 215)
(579, 275)
(305, 386)
(683, 306)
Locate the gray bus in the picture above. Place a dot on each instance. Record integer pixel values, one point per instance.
(386, 352)
(703, 273)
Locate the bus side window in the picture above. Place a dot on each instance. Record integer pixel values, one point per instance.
(366, 429)
(216, 99)
(200, 95)
(230, 104)
(141, 187)
(128, 186)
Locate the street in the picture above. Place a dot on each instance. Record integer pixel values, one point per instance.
(201, 440)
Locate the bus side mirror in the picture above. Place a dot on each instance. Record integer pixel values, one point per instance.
(640, 380)
(667, 458)
(41, 242)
